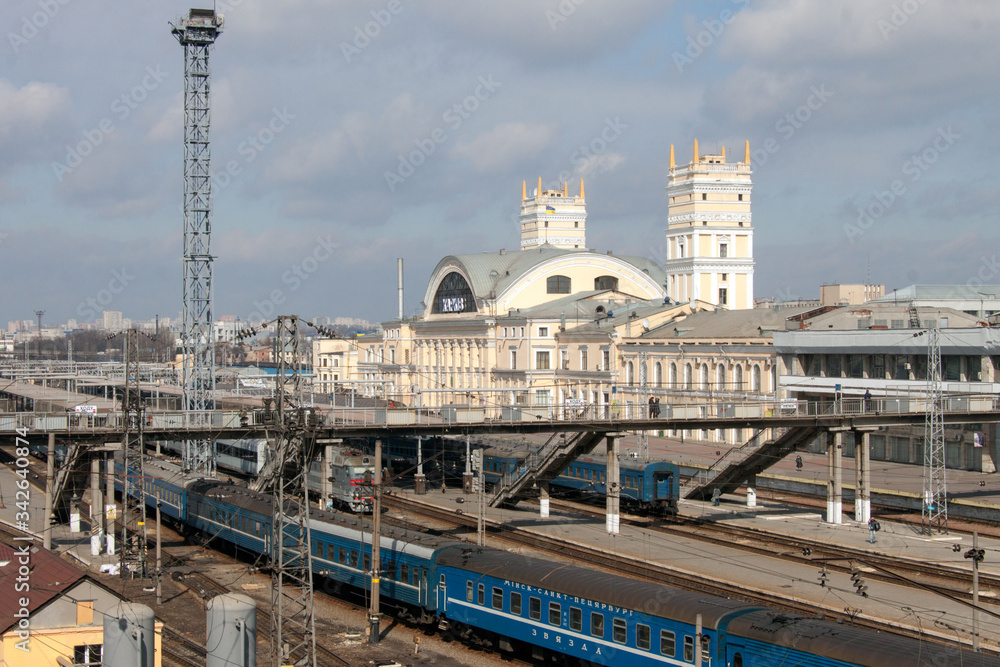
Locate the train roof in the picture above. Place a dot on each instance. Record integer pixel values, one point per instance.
(847, 643)
(600, 587)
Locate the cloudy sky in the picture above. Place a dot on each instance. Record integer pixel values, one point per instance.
(347, 134)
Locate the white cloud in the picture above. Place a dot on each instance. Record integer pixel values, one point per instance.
(505, 145)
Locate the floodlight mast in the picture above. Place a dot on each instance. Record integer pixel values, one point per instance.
(197, 33)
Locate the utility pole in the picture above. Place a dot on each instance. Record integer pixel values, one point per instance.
(976, 555)
(159, 561)
(197, 33)
(480, 485)
(133, 549)
(38, 314)
(374, 615)
(644, 384)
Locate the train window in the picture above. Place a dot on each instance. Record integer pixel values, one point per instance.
(555, 613)
(353, 562)
(601, 481)
(689, 648)
(515, 603)
(367, 562)
(315, 548)
(619, 630)
(469, 591)
(706, 648)
(596, 624)
(534, 609)
(737, 660)
(642, 637)
(481, 594)
(668, 643)
(498, 598)
(342, 555)
(575, 619)
(404, 573)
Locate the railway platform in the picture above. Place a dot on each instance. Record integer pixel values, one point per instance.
(827, 585)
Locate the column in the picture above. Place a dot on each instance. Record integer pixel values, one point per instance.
(96, 503)
(50, 482)
(109, 500)
(543, 499)
(834, 495)
(752, 491)
(612, 486)
(862, 493)
(326, 471)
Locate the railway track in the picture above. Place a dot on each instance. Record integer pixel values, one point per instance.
(576, 552)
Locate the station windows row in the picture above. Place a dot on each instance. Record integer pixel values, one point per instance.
(476, 593)
(586, 474)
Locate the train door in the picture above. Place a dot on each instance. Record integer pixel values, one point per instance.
(423, 587)
(442, 596)
(662, 482)
(734, 656)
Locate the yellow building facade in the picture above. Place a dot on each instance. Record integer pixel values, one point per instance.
(709, 238)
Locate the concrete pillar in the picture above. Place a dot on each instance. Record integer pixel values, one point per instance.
(50, 482)
(543, 500)
(326, 469)
(863, 491)
(96, 503)
(467, 475)
(74, 514)
(752, 491)
(834, 494)
(419, 480)
(109, 500)
(613, 486)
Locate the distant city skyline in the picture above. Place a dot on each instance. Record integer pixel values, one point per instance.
(346, 135)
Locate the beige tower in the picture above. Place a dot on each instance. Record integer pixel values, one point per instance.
(709, 232)
(553, 217)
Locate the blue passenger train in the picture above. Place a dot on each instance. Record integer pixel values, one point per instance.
(648, 486)
(515, 602)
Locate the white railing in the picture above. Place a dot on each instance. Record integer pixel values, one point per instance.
(630, 415)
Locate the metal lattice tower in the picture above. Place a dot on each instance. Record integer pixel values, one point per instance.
(935, 508)
(197, 33)
(293, 631)
(133, 548)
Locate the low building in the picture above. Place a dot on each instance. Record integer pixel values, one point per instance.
(50, 612)
(882, 349)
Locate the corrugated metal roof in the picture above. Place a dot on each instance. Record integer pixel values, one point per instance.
(755, 323)
(939, 292)
(48, 577)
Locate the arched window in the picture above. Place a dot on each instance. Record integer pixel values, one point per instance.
(688, 376)
(658, 374)
(673, 375)
(605, 282)
(557, 285)
(755, 379)
(738, 378)
(703, 379)
(629, 374)
(454, 296)
(720, 377)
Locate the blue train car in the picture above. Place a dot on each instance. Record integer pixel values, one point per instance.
(651, 486)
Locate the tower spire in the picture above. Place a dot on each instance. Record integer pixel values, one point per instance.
(672, 163)
(539, 193)
(695, 160)
(746, 153)
(581, 189)
(524, 189)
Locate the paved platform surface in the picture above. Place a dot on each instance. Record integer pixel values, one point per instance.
(930, 612)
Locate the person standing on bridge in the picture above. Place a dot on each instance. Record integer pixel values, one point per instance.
(868, 400)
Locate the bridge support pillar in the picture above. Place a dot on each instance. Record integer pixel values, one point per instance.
(109, 501)
(835, 486)
(863, 491)
(543, 500)
(752, 491)
(325, 485)
(50, 483)
(613, 486)
(96, 503)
